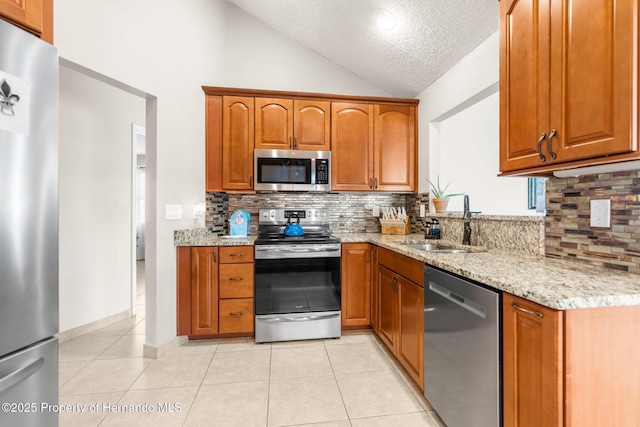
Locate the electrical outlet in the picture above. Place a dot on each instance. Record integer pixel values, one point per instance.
(376, 211)
(422, 211)
(601, 213)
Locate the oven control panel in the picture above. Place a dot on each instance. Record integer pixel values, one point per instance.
(281, 216)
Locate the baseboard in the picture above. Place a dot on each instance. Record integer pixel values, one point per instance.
(93, 326)
(156, 352)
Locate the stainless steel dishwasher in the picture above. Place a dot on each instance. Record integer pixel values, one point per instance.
(462, 365)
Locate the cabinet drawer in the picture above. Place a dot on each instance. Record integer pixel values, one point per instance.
(408, 267)
(236, 281)
(236, 254)
(236, 315)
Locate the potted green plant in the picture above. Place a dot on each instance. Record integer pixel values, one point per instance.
(440, 196)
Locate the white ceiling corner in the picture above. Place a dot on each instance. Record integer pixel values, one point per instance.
(430, 36)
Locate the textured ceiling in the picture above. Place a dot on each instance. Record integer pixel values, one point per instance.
(430, 36)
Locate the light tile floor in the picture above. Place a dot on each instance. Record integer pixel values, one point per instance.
(351, 381)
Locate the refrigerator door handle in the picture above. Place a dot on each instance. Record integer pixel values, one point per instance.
(19, 375)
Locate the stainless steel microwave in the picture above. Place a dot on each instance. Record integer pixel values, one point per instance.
(292, 170)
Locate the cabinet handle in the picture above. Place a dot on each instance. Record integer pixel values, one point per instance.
(524, 310)
(291, 142)
(551, 135)
(375, 183)
(394, 286)
(236, 279)
(542, 156)
(295, 142)
(237, 313)
(240, 254)
(215, 255)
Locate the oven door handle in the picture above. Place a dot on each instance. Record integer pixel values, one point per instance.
(299, 319)
(301, 250)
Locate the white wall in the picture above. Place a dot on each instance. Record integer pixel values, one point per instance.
(459, 135)
(259, 57)
(168, 50)
(94, 197)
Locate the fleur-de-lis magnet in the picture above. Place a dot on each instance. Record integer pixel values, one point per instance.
(7, 99)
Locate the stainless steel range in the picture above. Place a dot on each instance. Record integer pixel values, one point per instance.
(297, 277)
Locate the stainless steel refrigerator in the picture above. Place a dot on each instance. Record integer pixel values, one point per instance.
(28, 229)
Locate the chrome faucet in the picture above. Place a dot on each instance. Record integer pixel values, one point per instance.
(466, 219)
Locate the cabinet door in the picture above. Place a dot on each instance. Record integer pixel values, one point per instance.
(213, 143)
(375, 290)
(389, 294)
(524, 83)
(204, 290)
(25, 13)
(274, 123)
(533, 364)
(356, 284)
(237, 143)
(351, 146)
(311, 125)
(395, 148)
(411, 340)
(593, 84)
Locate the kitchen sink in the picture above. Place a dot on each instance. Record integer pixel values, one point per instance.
(435, 248)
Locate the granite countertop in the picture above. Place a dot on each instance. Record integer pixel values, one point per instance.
(550, 282)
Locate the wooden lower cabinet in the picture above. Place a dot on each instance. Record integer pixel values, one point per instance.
(411, 332)
(532, 337)
(215, 291)
(375, 290)
(356, 285)
(204, 290)
(400, 306)
(572, 368)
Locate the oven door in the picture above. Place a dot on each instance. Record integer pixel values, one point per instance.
(297, 296)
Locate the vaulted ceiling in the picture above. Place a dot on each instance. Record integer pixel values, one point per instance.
(427, 38)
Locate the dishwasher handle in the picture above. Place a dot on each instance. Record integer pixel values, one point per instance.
(463, 302)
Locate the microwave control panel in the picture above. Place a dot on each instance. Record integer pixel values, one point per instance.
(322, 171)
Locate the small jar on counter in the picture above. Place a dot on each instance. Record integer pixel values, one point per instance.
(432, 231)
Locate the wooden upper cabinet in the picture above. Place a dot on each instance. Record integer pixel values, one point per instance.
(395, 148)
(287, 124)
(567, 79)
(237, 143)
(213, 143)
(35, 16)
(351, 146)
(274, 123)
(373, 147)
(311, 125)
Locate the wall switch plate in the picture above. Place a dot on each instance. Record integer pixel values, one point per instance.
(172, 212)
(422, 211)
(199, 210)
(376, 211)
(601, 213)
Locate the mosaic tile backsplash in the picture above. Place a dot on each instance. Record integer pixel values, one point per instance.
(568, 231)
(352, 213)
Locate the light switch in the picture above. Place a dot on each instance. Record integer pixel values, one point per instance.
(172, 212)
(199, 210)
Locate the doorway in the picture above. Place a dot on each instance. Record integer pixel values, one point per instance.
(138, 156)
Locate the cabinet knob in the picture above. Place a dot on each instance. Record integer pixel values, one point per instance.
(551, 135)
(542, 156)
